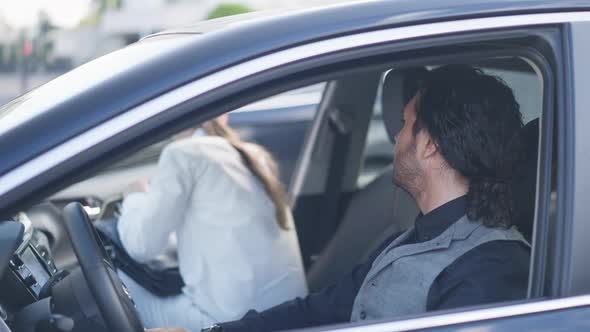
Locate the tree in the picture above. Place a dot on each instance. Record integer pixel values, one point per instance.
(228, 9)
(99, 7)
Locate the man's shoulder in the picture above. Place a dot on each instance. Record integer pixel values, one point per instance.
(491, 272)
(501, 256)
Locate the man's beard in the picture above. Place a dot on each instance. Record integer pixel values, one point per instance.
(407, 173)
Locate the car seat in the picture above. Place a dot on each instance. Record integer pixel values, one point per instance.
(378, 210)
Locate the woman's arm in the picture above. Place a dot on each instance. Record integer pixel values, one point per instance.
(148, 218)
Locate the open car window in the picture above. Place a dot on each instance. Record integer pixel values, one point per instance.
(279, 123)
(517, 73)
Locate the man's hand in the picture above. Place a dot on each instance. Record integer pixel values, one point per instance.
(167, 329)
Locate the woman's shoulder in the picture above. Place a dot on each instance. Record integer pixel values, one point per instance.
(201, 145)
(203, 152)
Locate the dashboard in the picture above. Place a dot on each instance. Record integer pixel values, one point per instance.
(32, 269)
(36, 295)
(29, 273)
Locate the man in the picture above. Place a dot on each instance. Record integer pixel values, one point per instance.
(455, 155)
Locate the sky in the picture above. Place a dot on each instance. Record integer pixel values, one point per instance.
(68, 13)
(24, 13)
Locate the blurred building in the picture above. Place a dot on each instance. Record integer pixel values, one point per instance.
(32, 55)
(72, 47)
(129, 20)
(114, 24)
(138, 18)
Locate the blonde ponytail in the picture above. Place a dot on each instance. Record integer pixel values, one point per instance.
(260, 162)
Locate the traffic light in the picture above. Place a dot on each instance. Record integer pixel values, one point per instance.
(28, 48)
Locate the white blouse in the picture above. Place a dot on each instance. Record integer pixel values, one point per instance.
(232, 254)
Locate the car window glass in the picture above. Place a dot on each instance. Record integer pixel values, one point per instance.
(378, 152)
(278, 123)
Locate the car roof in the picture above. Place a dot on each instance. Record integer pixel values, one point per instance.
(110, 85)
(393, 12)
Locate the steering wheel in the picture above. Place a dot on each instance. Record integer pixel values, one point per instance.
(111, 296)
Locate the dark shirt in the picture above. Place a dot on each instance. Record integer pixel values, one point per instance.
(492, 272)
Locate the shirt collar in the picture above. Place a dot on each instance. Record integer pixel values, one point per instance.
(435, 222)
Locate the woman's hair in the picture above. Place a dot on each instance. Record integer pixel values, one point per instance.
(260, 162)
(475, 122)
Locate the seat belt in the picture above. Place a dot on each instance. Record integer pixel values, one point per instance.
(340, 124)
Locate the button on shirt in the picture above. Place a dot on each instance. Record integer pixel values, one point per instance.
(492, 272)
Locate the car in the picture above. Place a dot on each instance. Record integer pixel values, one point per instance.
(63, 143)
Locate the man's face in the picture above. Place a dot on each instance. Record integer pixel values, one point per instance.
(407, 172)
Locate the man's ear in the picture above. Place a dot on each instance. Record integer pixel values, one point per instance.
(429, 147)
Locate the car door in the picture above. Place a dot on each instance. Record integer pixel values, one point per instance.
(561, 242)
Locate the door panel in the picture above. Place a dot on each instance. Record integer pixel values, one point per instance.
(568, 314)
(577, 319)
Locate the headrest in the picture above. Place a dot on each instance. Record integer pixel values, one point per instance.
(399, 86)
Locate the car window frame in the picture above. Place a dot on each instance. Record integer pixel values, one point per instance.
(574, 206)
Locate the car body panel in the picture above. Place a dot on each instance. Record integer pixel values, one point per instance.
(565, 314)
(574, 319)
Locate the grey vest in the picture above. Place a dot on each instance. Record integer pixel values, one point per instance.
(400, 277)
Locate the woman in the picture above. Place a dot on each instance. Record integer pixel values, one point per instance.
(237, 249)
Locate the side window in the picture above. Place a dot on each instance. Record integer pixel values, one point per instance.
(378, 152)
(524, 81)
(280, 124)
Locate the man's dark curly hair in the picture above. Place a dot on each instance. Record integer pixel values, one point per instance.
(475, 121)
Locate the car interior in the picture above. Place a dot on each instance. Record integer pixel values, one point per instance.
(343, 199)
(387, 209)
